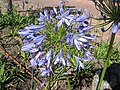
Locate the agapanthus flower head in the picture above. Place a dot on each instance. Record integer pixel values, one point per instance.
(110, 11)
(53, 44)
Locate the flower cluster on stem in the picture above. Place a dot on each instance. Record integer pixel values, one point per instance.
(61, 35)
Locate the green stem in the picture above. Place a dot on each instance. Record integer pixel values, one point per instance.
(68, 81)
(49, 88)
(106, 61)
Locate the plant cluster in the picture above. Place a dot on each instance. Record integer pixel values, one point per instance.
(61, 40)
(58, 44)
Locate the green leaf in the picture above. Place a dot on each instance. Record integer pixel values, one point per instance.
(2, 72)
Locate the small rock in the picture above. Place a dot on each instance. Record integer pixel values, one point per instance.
(105, 85)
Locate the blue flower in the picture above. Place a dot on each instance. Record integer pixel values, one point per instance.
(78, 63)
(68, 55)
(25, 32)
(30, 30)
(39, 39)
(89, 37)
(115, 27)
(44, 17)
(81, 40)
(28, 38)
(82, 18)
(109, 15)
(40, 44)
(44, 71)
(54, 11)
(31, 43)
(87, 56)
(27, 46)
(69, 38)
(33, 63)
(60, 59)
(84, 29)
(35, 28)
(64, 17)
(46, 60)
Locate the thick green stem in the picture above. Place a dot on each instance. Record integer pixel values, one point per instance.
(106, 61)
(68, 81)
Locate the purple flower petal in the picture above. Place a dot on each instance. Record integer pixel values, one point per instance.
(43, 83)
(60, 59)
(78, 44)
(68, 55)
(48, 57)
(78, 63)
(59, 23)
(27, 47)
(85, 29)
(35, 27)
(39, 39)
(89, 37)
(25, 32)
(55, 28)
(115, 27)
(33, 50)
(82, 18)
(67, 22)
(61, 10)
(33, 63)
(28, 38)
(82, 39)
(66, 13)
(44, 71)
(100, 1)
(69, 38)
(55, 10)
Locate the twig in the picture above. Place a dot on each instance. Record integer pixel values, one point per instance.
(20, 65)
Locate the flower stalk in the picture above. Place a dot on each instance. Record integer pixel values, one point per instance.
(49, 88)
(68, 81)
(107, 60)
